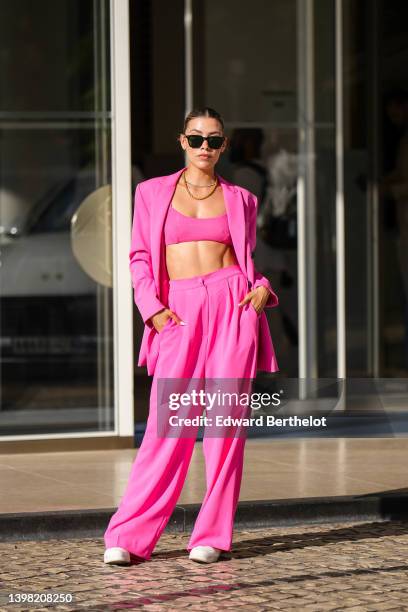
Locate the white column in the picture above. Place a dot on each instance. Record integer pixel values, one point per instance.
(340, 228)
(121, 218)
(306, 194)
(188, 60)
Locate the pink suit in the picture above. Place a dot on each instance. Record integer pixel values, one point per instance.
(148, 258)
(220, 340)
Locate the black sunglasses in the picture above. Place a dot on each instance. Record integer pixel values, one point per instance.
(195, 141)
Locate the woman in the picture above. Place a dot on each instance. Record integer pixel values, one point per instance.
(191, 265)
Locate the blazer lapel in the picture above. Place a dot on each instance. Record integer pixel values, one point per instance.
(162, 199)
(236, 220)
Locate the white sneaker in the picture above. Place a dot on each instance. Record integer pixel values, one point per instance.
(205, 554)
(116, 556)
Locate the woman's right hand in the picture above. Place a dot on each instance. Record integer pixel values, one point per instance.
(159, 320)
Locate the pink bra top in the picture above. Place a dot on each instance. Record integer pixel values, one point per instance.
(183, 228)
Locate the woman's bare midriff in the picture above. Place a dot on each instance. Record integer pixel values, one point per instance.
(187, 259)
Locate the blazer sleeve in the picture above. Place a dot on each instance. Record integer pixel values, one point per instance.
(140, 262)
(273, 299)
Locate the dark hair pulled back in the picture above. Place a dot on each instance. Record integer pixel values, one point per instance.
(205, 111)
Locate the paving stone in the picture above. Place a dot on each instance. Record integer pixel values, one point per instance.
(354, 567)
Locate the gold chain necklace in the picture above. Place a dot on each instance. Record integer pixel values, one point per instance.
(202, 197)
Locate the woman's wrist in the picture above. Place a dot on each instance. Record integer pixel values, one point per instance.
(262, 290)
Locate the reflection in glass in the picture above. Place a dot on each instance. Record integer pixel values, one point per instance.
(280, 122)
(56, 320)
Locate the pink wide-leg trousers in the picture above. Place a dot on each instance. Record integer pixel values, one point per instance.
(219, 340)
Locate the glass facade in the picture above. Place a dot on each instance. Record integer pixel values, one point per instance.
(281, 74)
(56, 275)
(375, 139)
(259, 99)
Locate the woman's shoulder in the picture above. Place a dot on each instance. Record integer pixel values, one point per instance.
(148, 188)
(150, 182)
(248, 196)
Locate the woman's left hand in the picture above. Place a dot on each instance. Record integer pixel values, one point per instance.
(258, 298)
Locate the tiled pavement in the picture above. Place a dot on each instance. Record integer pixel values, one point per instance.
(338, 566)
(274, 469)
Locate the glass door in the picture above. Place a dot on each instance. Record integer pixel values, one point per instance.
(55, 206)
(269, 69)
(376, 179)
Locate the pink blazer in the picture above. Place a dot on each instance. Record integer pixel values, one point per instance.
(147, 259)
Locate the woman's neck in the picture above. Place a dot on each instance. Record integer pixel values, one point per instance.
(199, 176)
